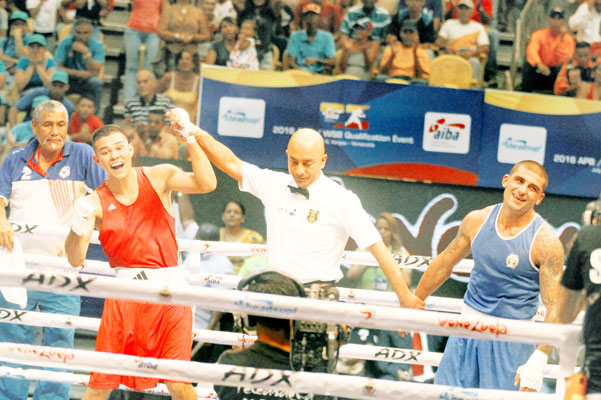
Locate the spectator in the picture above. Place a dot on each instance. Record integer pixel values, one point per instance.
(433, 8)
(82, 57)
(183, 26)
(414, 12)
(464, 37)
(137, 108)
(484, 14)
(142, 28)
(158, 140)
(329, 16)
(14, 46)
(233, 217)
(244, 54)
(379, 17)
(224, 8)
(84, 121)
(405, 59)
(3, 105)
(94, 11)
(358, 59)
(574, 73)
(265, 21)
(45, 15)
(219, 54)
(36, 69)
(3, 19)
(284, 17)
(22, 133)
(586, 21)
(592, 90)
(59, 85)
(547, 50)
(208, 7)
(311, 49)
(182, 85)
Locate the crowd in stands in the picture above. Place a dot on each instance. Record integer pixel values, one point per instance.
(55, 48)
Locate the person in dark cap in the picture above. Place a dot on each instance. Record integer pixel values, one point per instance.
(35, 69)
(359, 57)
(14, 45)
(406, 59)
(424, 23)
(311, 49)
(548, 49)
(59, 84)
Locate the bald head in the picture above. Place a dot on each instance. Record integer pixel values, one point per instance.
(146, 84)
(306, 156)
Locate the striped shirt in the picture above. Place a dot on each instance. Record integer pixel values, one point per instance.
(379, 18)
(137, 109)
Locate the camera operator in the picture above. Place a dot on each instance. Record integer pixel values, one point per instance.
(273, 345)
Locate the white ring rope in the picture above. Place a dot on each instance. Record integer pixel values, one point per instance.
(387, 318)
(31, 374)
(433, 303)
(364, 352)
(229, 375)
(243, 249)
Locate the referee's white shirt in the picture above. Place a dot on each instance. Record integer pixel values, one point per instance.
(306, 237)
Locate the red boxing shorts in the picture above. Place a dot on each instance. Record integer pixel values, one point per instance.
(145, 330)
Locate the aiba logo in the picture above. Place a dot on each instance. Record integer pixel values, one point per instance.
(345, 116)
(447, 133)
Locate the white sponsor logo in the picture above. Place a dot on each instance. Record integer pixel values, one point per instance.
(241, 117)
(521, 142)
(64, 172)
(447, 133)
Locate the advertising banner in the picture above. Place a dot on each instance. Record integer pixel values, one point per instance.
(562, 134)
(370, 128)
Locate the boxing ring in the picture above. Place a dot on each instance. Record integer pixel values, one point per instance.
(93, 279)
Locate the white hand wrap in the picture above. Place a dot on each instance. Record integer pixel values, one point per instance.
(83, 209)
(531, 373)
(181, 117)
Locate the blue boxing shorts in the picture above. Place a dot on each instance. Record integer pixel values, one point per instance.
(479, 363)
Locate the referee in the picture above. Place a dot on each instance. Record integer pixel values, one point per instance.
(309, 216)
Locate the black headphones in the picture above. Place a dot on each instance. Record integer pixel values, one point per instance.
(251, 283)
(592, 213)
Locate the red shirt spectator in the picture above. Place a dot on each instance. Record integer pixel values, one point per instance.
(480, 5)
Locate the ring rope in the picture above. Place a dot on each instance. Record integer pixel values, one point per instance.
(230, 375)
(33, 374)
(387, 318)
(243, 249)
(364, 352)
(433, 303)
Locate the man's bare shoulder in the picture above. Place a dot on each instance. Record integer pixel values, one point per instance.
(547, 240)
(474, 219)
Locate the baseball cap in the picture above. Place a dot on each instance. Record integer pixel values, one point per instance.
(557, 11)
(364, 23)
(38, 100)
(311, 7)
(36, 38)
(60, 76)
(409, 25)
(19, 15)
(467, 3)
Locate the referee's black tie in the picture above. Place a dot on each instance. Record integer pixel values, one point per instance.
(303, 191)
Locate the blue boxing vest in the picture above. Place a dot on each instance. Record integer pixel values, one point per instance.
(504, 282)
